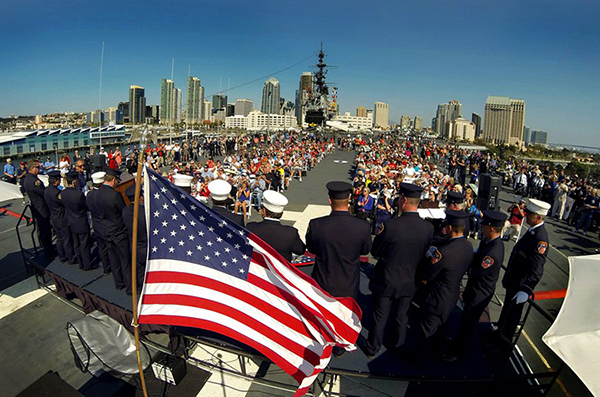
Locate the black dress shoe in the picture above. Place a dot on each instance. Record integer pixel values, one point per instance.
(362, 345)
(91, 268)
(107, 272)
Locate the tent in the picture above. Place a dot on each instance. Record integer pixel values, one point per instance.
(575, 334)
(8, 191)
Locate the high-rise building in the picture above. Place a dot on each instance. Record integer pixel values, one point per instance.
(307, 81)
(243, 107)
(504, 119)
(404, 121)
(446, 112)
(194, 101)
(167, 102)
(381, 115)
(178, 105)
(476, 119)
(114, 116)
(124, 107)
(137, 104)
(361, 112)
(526, 135)
(461, 130)
(418, 124)
(230, 110)
(539, 137)
(152, 114)
(454, 110)
(271, 96)
(207, 112)
(219, 101)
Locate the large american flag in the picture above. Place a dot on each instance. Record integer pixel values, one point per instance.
(205, 271)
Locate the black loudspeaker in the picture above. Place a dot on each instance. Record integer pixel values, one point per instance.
(489, 192)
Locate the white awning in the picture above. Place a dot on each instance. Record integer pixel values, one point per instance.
(575, 334)
(8, 191)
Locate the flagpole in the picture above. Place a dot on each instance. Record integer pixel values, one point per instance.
(136, 213)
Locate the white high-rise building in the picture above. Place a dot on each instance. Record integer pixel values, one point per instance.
(243, 107)
(207, 111)
(167, 102)
(271, 96)
(504, 120)
(381, 115)
(178, 105)
(461, 130)
(194, 101)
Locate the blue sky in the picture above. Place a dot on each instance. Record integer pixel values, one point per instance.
(411, 54)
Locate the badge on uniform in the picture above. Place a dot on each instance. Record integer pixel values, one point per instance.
(542, 247)
(437, 256)
(487, 262)
(37, 183)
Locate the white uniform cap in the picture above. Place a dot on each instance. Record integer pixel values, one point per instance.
(219, 189)
(538, 207)
(98, 177)
(182, 180)
(274, 201)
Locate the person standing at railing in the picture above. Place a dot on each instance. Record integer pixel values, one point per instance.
(525, 267)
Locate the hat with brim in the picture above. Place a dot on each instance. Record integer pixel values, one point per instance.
(181, 180)
(457, 218)
(98, 177)
(274, 201)
(113, 172)
(54, 174)
(339, 190)
(538, 207)
(455, 197)
(493, 218)
(410, 190)
(130, 192)
(219, 189)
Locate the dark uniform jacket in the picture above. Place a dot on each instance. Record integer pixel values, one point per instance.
(76, 210)
(91, 200)
(526, 264)
(484, 272)
(142, 235)
(35, 191)
(400, 247)
(443, 275)
(55, 205)
(107, 206)
(284, 239)
(338, 240)
(235, 218)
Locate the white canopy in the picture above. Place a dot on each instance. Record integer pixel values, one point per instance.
(8, 191)
(575, 334)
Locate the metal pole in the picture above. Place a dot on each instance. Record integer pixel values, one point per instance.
(136, 213)
(100, 95)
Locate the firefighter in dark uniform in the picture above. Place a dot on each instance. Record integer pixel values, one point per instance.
(58, 217)
(76, 209)
(91, 200)
(400, 247)
(108, 208)
(219, 192)
(455, 201)
(142, 236)
(338, 240)
(525, 267)
(39, 209)
(442, 277)
(483, 276)
(284, 239)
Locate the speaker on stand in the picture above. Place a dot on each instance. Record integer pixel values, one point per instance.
(489, 192)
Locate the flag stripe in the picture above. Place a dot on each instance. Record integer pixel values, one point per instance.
(197, 322)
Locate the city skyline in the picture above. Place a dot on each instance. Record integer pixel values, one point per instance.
(547, 56)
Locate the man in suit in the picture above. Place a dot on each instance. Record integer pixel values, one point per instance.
(58, 217)
(483, 276)
(142, 237)
(525, 267)
(284, 239)
(399, 247)
(76, 209)
(107, 206)
(442, 278)
(219, 192)
(91, 201)
(39, 209)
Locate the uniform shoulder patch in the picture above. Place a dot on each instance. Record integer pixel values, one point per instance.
(59, 196)
(436, 257)
(487, 262)
(37, 183)
(542, 247)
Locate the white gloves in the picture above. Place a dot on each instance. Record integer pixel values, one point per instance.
(430, 251)
(521, 297)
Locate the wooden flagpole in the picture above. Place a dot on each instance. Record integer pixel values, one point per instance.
(136, 213)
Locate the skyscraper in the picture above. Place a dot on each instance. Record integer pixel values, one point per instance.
(454, 110)
(271, 96)
(441, 116)
(539, 137)
(526, 135)
(381, 115)
(404, 121)
(167, 101)
(476, 119)
(207, 111)
(178, 105)
(195, 100)
(219, 101)
(361, 112)
(137, 104)
(418, 124)
(243, 107)
(307, 80)
(504, 119)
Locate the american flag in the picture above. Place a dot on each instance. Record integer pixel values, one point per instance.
(205, 271)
